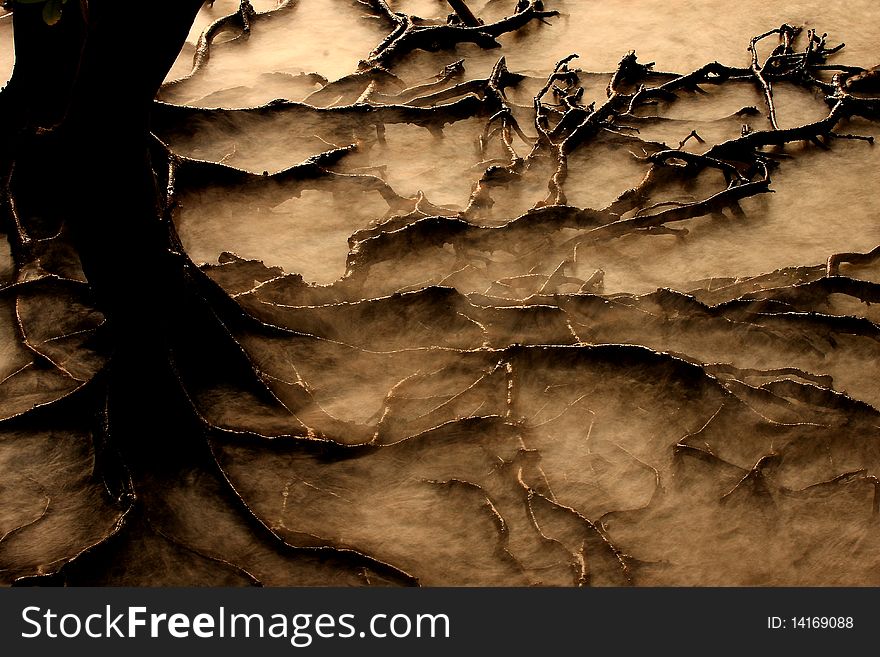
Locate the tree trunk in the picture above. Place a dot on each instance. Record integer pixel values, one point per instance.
(92, 79)
(92, 174)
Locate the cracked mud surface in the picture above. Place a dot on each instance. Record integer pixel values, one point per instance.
(496, 320)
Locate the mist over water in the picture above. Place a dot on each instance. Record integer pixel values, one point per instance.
(470, 384)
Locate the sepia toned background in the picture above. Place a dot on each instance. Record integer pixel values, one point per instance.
(480, 372)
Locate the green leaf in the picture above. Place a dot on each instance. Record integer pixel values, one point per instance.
(52, 11)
